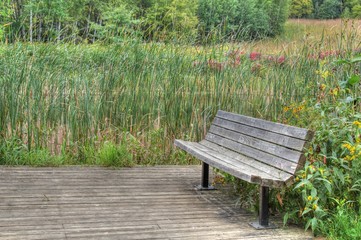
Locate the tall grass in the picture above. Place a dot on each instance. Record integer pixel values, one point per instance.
(70, 99)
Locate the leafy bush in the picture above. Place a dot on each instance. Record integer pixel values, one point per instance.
(330, 9)
(345, 224)
(167, 20)
(356, 11)
(300, 8)
(114, 155)
(241, 19)
(331, 179)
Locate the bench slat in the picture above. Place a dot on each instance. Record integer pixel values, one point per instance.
(269, 159)
(274, 172)
(287, 130)
(263, 134)
(257, 144)
(228, 165)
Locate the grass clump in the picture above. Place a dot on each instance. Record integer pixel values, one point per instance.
(114, 155)
(345, 224)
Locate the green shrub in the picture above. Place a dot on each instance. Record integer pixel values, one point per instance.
(330, 9)
(356, 11)
(114, 155)
(240, 19)
(300, 8)
(344, 224)
(170, 20)
(332, 176)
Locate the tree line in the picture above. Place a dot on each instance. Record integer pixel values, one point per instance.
(325, 9)
(159, 20)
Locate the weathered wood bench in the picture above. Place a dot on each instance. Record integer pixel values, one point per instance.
(255, 150)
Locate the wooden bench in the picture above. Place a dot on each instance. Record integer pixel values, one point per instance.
(255, 150)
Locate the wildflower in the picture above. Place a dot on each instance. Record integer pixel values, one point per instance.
(281, 59)
(350, 158)
(357, 123)
(314, 206)
(323, 87)
(334, 91)
(255, 56)
(325, 74)
(285, 109)
(346, 145)
(309, 198)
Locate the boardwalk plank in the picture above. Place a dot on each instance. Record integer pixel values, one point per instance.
(130, 203)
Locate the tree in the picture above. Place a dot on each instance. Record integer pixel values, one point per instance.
(301, 8)
(241, 19)
(356, 11)
(170, 19)
(330, 9)
(116, 18)
(5, 17)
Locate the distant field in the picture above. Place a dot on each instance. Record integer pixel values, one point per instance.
(328, 34)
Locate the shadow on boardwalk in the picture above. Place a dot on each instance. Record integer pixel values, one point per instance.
(137, 203)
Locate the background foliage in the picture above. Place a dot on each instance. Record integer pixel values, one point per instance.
(160, 20)
(325, 9)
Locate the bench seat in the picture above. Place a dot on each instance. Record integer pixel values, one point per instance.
(238, 165)
(254, 150)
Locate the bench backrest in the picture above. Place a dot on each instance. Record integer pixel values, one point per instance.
(274, 144)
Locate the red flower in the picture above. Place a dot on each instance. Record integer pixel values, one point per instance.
(281, 59)
(255, 56)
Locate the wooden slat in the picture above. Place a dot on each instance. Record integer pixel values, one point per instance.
(287, 130)
(257, 144)
(266, 158)
(263, 134)
(229, 165)
(276, 173)
(136, 203)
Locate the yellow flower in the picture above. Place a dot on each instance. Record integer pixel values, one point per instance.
(325, 74)
(334, 91)
(314, 206)
(309, 198)
(357, 123)
(323, 86)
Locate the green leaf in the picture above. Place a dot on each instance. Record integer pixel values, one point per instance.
(354, 79)
(342, 61)
(313, 223)
(314, 192)
(308, 224)
(356, 59)
(326, 183)
(349, 99)
(306, 211)
(285, 219)
(300, 184)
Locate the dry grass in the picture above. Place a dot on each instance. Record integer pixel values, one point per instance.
(298, 32)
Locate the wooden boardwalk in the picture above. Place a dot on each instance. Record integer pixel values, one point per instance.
(137, 203)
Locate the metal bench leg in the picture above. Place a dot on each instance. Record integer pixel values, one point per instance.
(263, 222)
(205, 178)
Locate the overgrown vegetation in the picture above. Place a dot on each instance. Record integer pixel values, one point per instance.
(121, 101)
(195, 21)
(325, 9)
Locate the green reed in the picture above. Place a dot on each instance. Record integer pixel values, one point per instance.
(70, 98)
